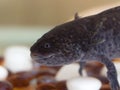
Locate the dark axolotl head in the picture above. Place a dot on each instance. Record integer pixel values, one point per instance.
(61, 45)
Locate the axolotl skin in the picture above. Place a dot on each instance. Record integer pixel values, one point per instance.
(95, 37)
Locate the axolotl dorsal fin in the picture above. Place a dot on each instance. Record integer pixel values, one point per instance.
(76, 16)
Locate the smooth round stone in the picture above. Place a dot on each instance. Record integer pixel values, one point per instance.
(104, 71)
(68, 72)
(17, 59)
(84, 83)
(3, 73)
(118, 79)
(117, 65)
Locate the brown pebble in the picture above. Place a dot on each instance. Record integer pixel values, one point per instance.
(105, 87)
(1, 60)
(93, 68)
(61, 85)
(21, 79)
(5, 86)
(46, 87)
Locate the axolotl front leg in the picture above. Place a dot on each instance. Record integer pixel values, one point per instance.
(81, 63)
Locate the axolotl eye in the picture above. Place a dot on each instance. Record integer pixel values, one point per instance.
(47, 45)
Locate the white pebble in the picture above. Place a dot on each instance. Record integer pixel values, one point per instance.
(118, 79)
(104, 71)
(68, 72)
(117, 65)
(3, 73)
(84, 83)
(17, 58)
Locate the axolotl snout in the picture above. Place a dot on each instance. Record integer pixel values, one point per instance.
(95, 37)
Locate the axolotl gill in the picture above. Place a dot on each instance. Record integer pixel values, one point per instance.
(91, 38)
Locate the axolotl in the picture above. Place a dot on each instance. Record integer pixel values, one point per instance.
(84, 39)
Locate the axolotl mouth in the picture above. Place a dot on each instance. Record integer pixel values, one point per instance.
(51, 60)
(38, 57)
(48, 60)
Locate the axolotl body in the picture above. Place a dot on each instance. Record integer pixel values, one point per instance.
(95, 37)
